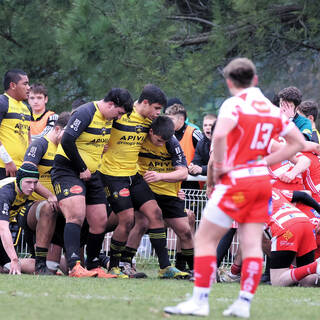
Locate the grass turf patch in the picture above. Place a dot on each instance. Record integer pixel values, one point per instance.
(60, 298)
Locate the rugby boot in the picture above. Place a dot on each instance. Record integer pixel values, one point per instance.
(102, 274)
(131, 272)
(189, 307)
(240, 308)
(79, 272)
(117, 271)
(171, 272)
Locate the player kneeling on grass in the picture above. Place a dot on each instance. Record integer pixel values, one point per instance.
(292, 239)
(163, 166)
(14, 205)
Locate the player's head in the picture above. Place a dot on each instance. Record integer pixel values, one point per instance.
(27, 178)
(60, 125)
(38, 97)
(240, 73)
(121, 99)
(171, 102)
(309, 109)
(291, 94)
(178, 115)
(161, 130)
(152, 99)
(77, 103)
(16, 83)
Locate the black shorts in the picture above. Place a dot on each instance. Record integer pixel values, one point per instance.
(3, 173)
(126, 192)
(284, 259)
(67, 183)
(171, 207)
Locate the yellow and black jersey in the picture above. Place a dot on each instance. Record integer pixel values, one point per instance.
(90, 131)
(12, 202)
(127, 136)
(163, 160)
(15, 118)
(41, 152)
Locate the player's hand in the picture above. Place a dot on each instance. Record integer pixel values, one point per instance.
(11, 169)
(85, 175)
(152, 176)
(286, 177)
(15, 267)
(53, 202)
(181, 195)
(287, 108)
(194, 169)
(209, 190)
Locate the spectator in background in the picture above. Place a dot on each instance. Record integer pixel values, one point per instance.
(43, 119)
(173, 101)
(187, 136)
(290, 99)
(199, 164)
(309, 109)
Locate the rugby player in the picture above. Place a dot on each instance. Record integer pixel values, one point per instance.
(126, 189)
(163, 166)
(246, 123)
(76, 183)
(15, 117)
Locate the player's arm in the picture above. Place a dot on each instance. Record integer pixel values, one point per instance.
(78, 122)
(301, 162)
(295, 143)
(179, 163)
(6, 199)
(8, 246)
(223, 127)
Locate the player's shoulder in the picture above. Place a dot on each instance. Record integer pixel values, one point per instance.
(4, 101)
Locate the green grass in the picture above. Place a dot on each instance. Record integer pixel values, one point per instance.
(59, 298)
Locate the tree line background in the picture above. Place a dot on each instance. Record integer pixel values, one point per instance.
(82, 48)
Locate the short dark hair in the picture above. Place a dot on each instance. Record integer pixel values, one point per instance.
(77, 103)
(240, 71)
(153, 94)
(163, 126)
(120, 97)
(177, 109)
(14, 76)
(291, 94)
(39, 88)
(63, 119)
(309, 108)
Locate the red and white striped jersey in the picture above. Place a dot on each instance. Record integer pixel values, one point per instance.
(258, 121)
(284, 214)
(311, 176)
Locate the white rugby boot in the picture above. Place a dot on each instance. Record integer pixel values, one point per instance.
(189, 307)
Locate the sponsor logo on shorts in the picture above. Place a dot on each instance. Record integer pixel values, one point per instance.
(115, 195)
(124, 192)
(76, 189)
(66, 192)
(238, 197)
(287, 235)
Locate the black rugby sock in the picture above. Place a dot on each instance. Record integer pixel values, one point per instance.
(188, 255)
(72, 243)
(41, 257)
(159, 242)
(116, 249)
(224, 245)
(94, 245)
(128, 254)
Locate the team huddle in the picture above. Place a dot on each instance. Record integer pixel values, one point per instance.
(117, 165)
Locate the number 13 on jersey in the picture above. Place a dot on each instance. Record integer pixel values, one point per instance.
(261, 136)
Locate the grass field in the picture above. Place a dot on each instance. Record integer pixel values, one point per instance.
(59, 298)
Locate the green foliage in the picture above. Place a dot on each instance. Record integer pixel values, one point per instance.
(85, 47)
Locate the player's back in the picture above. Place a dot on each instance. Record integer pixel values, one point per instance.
(258, 121)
